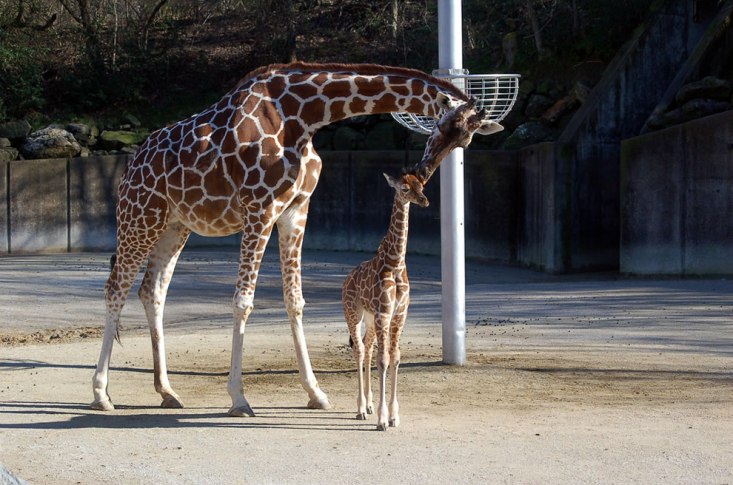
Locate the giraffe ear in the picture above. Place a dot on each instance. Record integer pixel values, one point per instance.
(445, 101)
(391, 181)
(489, 127)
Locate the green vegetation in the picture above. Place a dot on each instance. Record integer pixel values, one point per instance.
(164, 59)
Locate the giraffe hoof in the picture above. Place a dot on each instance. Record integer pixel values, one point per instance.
(370, 409)
(241, 411)
(172, 402)
(361, 416)
(104, 405)
(320, 402)
(394, 422)
(382, 427)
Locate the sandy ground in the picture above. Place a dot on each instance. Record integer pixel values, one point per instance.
(570, 379)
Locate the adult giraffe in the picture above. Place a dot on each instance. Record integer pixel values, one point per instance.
(243, 165)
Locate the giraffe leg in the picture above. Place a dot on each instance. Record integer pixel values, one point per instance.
(369, 339)
(291, 228)
(251, 252)
(354, 318)
(398, 323)
(118, 286)
(153, 290)
(381, 323)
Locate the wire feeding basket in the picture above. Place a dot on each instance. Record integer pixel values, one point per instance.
(495, 92)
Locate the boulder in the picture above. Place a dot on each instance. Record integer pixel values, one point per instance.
(116, 140)
(132, 120)
(86, 135)
(709, 88)
(50, 143)
(560, 109)
(15, 130)
(691, 110)
(528, 134)
(8, 154)
(5, 143)
(537, 104)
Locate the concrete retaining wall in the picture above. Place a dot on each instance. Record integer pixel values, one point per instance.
(677, 199)
(69, 205)
(587, 153)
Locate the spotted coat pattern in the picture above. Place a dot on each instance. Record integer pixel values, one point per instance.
(377, 292)
(243, 165)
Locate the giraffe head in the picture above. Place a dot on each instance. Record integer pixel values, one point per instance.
(408, 188)
(454, 129)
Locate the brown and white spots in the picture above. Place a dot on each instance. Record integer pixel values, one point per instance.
(377, 293)
(243, 165)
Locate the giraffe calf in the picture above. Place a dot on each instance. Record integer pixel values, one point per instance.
(377, 293)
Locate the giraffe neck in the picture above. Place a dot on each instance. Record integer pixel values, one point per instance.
(316, 95)
(394, 245)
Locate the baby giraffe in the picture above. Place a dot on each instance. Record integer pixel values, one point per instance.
(378, 292)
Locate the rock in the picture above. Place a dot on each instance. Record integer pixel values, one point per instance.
(691, 110)
(84, 134)
(15, 130)
(8, 154)
(4, 143)
(132, 120)
(528, 134)
(709, 87)
(537, 104)
(550, 88)
(560, 109)
(581, 90)
(50, 143)
(116, 140)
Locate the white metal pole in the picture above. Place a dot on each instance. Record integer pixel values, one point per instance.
(450, 59)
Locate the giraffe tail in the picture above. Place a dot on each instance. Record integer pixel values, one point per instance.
(351, 342)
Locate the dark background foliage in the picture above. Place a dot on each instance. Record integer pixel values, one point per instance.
(164, 59)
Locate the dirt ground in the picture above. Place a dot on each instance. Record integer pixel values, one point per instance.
(584, 379)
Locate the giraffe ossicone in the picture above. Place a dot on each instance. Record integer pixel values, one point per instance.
(245, 164)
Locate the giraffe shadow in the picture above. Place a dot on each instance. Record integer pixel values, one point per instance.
(27, 364)
(71, 416)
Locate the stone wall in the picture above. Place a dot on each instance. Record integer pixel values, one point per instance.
(677, 199)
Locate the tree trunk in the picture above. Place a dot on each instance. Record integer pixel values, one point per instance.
(535, 24)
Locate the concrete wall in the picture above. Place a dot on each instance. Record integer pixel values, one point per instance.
(4, 227)
(69, 205)
(587, 153)
(539, 231)
(38, 205)
(677, 199)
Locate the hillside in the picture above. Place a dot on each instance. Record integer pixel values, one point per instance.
(161, 61)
